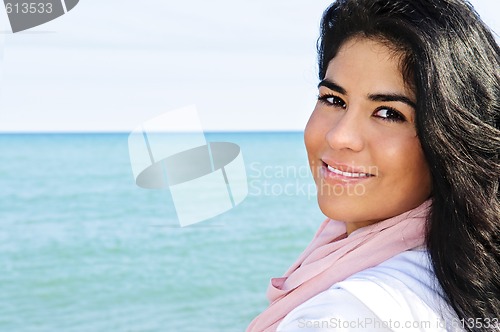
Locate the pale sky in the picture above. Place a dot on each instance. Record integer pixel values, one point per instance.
(111, 65)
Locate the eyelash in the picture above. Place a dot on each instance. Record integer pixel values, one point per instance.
(324, 99)
(395, 116)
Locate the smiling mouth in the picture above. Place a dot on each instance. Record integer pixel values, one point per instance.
(346, 174)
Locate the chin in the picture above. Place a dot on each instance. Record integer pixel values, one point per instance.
(347, 210)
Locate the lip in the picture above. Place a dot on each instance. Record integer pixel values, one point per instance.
(333, 172)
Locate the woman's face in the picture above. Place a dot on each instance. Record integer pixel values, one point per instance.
(361, 139)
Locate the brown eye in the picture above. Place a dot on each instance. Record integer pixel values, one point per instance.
(389, 114)
(331, 100)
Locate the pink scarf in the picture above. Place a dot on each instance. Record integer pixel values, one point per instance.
(332, 257)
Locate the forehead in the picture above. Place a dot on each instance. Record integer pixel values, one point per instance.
(369, 64)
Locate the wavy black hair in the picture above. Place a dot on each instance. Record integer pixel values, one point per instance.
(452, 61)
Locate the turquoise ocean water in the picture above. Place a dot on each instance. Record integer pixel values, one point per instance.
(82, 248)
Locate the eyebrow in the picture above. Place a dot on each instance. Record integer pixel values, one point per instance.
(388, 97)
(332, 86)
(392, 97)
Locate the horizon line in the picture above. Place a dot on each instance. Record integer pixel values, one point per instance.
(20, 132)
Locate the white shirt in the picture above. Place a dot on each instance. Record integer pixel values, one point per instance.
(400, 294)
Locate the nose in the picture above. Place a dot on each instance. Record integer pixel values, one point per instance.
(346, 132)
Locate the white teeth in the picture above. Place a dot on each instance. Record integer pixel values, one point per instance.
(347, 174)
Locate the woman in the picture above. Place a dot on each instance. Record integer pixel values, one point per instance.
(404, 148)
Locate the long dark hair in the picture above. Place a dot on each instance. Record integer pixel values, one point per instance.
(452, 61)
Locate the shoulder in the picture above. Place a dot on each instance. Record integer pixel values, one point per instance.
(399, 294)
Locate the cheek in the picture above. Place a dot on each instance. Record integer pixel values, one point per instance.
(422, 171)
(312, 133)
(314, 140)
(403, 161)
